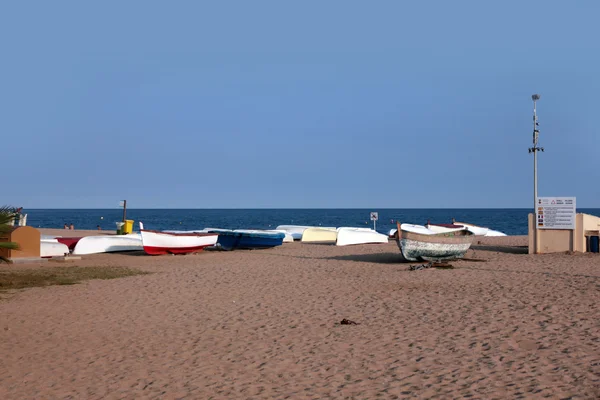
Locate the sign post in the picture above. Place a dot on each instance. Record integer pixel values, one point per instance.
(123, 203)
(374, 218)
(555, 213)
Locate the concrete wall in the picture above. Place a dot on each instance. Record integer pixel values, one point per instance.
(561, 240)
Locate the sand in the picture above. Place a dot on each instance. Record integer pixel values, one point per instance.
(265, 324)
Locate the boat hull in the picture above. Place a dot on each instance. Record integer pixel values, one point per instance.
(414, 250)
(51, 248)
(319, 235)
(477, 230)
(108, 244)
(436, 247)
(237, 239)
(350, 236)
(159, 243)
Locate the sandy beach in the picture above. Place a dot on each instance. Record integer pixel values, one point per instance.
(266, 324)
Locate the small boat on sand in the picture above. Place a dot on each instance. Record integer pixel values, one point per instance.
(433, 247)
(348, 236)
(247, 238)
(157, 242)
(297, 230)
(319, 235)
(108, 244)
(479, 230)
(52, 248)
(476, 229)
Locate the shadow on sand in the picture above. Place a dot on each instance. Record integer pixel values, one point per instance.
(377, 258)
(502, 249)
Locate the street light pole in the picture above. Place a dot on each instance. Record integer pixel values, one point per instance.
(534, 150)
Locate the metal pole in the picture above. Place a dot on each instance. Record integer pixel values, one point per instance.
(535, 142)
(124, 210)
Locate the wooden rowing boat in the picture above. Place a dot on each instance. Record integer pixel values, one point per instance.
(433, 247)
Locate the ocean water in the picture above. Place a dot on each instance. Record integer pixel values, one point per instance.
(510, 221)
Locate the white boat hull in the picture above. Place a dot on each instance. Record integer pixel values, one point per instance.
(158, 243)
(51, 248)
(475, 229)
(350, 236)
(108, 244)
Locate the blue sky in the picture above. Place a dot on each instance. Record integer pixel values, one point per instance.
(197, 104)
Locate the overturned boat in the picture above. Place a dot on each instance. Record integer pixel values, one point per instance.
(319, 235)
(247, 238)
(349, 236)
(157, 242)
(108, 244)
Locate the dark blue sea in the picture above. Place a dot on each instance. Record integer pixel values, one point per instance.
(510, 221)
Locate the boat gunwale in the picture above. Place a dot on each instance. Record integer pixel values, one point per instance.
(462, 236)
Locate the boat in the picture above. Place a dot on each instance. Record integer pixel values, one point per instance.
(476, 229)
(479, 230)
(108, 244)
(349, 236)
(495, 233)
(297, 230)
(319, 235)
(433, 247)
(157, 242)
(52, 248)
(247, 239)
(392, 233)
(443, 228)
(288, 238)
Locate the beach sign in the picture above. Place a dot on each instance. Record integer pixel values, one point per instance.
(555, 212)
(374, 217)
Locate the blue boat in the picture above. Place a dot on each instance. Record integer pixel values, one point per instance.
(247, 239)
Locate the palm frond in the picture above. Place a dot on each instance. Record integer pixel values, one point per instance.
(7, 214)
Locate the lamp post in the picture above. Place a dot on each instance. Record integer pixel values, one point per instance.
(534, 150)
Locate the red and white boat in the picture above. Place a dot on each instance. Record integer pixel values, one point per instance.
(157, 242)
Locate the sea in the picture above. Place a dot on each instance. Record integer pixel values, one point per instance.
(512, 221)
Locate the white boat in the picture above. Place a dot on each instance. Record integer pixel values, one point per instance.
(476, 229)
(157, 242)
(348, 236)
(297, 230)
(495, 233)
(392, 233)
(319, 235)
(108, 244)
(444, 228)
(51, 248)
